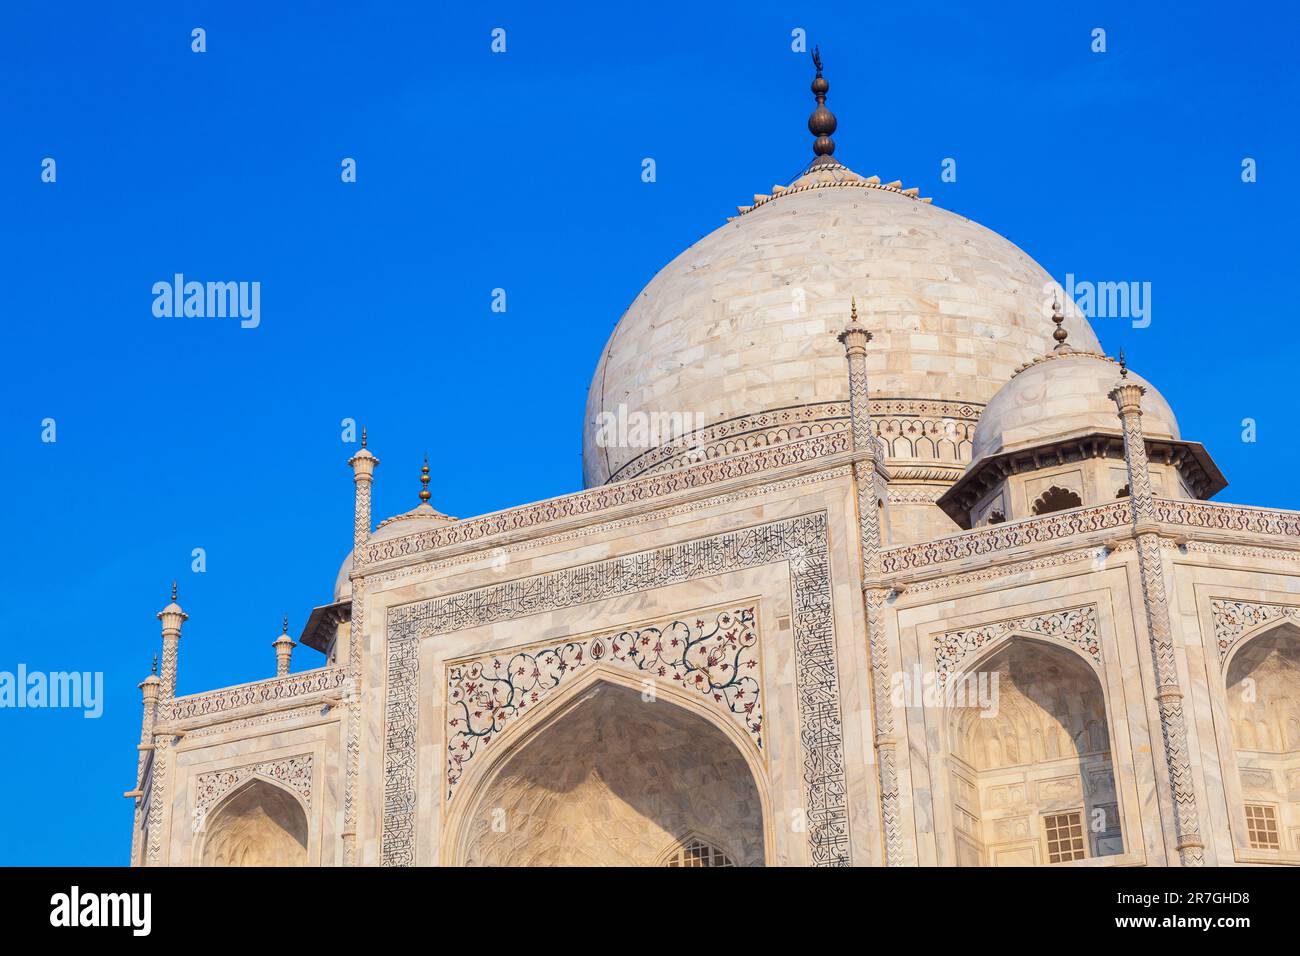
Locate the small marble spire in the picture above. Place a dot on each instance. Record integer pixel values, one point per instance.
(172, 617)
(363, 465)
(822, 121)
(284, 645)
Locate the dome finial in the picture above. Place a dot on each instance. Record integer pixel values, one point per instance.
(154, 669)
(286, 624)
(822, 122)
(173, 590)
(1059, 318)
(363, 436)
(424, 481)
(1123, 366)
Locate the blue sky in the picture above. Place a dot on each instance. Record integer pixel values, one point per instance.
(519, 171)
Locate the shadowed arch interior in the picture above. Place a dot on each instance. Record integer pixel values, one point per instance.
(1029, 757)
(259, 825)
(612, 782)
(1263, 695)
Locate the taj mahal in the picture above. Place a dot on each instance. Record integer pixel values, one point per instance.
(887, 452)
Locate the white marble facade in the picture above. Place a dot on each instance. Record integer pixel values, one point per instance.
(712, 656)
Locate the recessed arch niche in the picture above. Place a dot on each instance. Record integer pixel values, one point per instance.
(1263, 703)
(612, 781)
(1032, 776)
(259, 824)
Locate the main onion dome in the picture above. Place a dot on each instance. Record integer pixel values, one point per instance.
(734, 336)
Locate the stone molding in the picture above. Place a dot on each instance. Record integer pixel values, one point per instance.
(1171, 513)
(301, 684)
(259, 720)
(1006, 537)
(913, 421)
(638, 492)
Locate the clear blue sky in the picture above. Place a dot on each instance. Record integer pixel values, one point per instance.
(519, 171)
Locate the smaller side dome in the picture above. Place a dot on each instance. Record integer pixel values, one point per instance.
(1062, 394)
(421, 518)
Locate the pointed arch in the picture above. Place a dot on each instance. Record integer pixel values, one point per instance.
(1262, 689)
(1032, 762)
(258, 823)
(585, 758)
(1056, 498)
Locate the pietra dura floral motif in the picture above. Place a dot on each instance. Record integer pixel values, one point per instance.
(1234, 618)
(714, 655)
(1077, 626)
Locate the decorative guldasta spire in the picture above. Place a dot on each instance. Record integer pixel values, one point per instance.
(822, 122)
(870, 497)
(284, 645)
(363, 471)
(1127, 396)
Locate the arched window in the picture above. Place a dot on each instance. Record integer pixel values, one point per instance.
(1056, 499)
(1123, 492)
(695, 852)
(996, 517)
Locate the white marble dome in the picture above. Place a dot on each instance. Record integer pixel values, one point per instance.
(742, 322)
(1063, 394)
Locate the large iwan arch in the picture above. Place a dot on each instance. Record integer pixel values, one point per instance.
(1032, 775)
(612, 779)
(259, 824)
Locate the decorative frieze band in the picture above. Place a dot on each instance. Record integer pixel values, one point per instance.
(1224, 517)
(714, 656)
(1117, 514)
(801, 542)
(259, 692)
(906, 427)
(293, 773)
(635, 492)
(1004, 537)
(1232, 619)
(1076, 625)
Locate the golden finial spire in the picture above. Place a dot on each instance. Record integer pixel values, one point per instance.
(286, 624)
(173, 589)
(363, 436)
(1123, 366)
(853, 309)
(1058, 317)
(154, 669)
(822, 122)
(424, 481)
